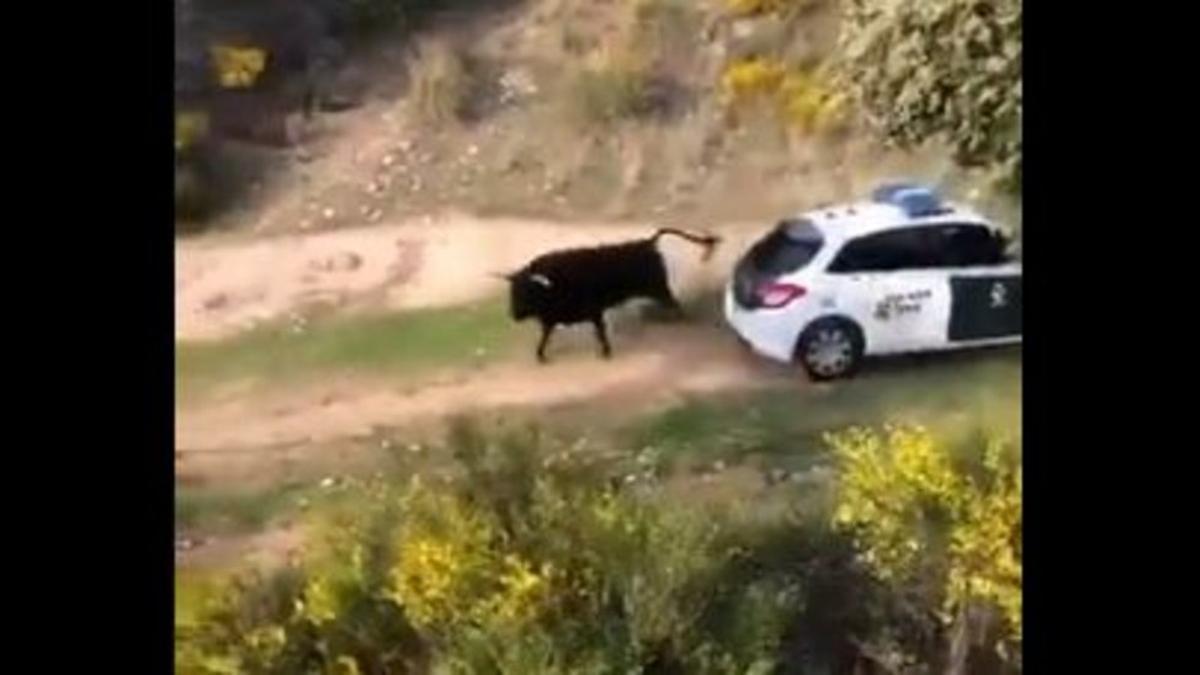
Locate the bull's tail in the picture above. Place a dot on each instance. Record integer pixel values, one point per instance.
(708, 241)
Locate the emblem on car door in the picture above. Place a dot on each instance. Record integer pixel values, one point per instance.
(999, 295)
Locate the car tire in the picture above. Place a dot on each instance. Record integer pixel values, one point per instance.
(830, 349)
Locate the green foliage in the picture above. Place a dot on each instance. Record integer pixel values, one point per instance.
(610, 93)
(560, 574)
(924, 519)
(947, 69)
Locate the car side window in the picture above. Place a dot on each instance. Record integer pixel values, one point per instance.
(891, 251)
(965, 245)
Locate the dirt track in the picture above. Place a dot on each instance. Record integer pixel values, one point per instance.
(224, 286)
(221, 286)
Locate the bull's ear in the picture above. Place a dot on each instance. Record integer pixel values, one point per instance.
(541, 279)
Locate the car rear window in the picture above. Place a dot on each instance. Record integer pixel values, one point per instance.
(790, 246)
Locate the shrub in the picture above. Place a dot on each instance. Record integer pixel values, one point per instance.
(442, 83)
(804, 99)
(607, 94)
(237, 67)
(757, 7)
(921, 520)
(948, 69)
(560, 574)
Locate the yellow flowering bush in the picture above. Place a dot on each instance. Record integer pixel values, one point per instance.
(237, 67)
(451, 569)
(805, 100)
(751, 78)
(757, 7)
(191, 126)
(897, 488)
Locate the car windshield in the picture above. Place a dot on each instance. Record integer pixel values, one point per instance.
(790, 246)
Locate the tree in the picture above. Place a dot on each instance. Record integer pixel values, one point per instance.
(947, 534)
(949, 69)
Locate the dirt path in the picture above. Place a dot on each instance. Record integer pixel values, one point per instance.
(226, 285)
(657, 366)
(223, 285)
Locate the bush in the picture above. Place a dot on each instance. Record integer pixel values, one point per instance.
(443, 84)
(948, 69)
(604, 95)
(804, 100)
(561, 573)
(944, 531)
(757, 7)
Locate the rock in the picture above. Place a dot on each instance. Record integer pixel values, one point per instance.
(719, 465)
(374, 216)
(329, 213)
(472, 150)
(305, 224)
(328, 482)
(405, 146)
(388, 160)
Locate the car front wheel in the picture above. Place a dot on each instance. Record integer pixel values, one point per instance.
(830, 348)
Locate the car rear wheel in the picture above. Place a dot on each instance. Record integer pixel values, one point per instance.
(830, 348)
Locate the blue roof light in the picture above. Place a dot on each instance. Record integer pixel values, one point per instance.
(884, 193)
(915, 200)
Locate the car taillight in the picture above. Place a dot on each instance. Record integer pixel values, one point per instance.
(775, 295)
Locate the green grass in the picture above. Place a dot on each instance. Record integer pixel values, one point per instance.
(953, 395)
(220, 511)
(399, 343)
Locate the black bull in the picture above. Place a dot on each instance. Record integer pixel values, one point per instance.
(578, 285)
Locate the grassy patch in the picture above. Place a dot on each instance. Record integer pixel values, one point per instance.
(219, 511)
(406, 342)
(954, 394)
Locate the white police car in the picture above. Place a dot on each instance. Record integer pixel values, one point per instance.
(902, 272)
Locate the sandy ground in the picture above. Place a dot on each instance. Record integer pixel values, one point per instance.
(223, 286)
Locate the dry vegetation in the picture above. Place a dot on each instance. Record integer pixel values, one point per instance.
(577, 110)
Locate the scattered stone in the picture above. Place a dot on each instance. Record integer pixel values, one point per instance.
(414, 448)
(329, 213)
(306, 224)
(472, 150)
(719, 465)
(328, 482)
(388, 160)
(405, 146)
(374, 216)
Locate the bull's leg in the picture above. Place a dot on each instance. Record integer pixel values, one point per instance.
(602, 335)
(547, 329)
(663, 296)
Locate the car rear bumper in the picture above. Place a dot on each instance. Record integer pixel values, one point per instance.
(764, 332)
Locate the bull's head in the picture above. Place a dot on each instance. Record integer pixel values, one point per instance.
(527, 293)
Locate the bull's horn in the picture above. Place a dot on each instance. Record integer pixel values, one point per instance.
(541, 279)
